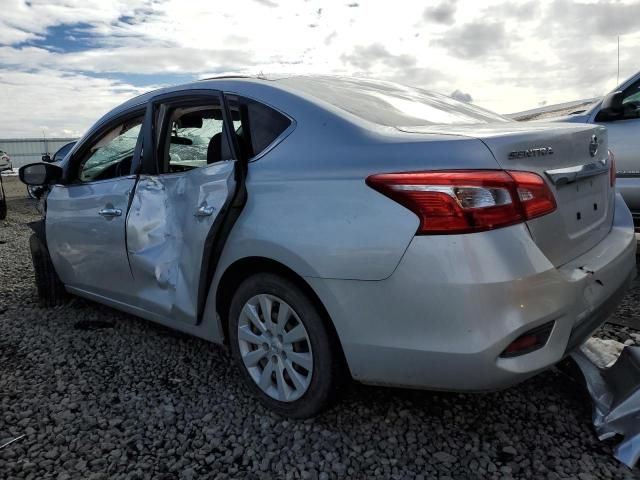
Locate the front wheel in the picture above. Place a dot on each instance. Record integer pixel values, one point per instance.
(51, 291)
(282, 347)
(34, 191)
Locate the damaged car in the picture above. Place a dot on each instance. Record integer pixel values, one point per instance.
(328, 228)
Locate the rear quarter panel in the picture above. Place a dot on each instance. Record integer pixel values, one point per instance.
(310, 209)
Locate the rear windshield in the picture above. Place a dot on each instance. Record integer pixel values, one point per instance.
(390, 104)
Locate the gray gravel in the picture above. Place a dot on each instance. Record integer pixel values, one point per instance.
(100, 394)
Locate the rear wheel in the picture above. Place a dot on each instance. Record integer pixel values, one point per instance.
(282, 347)
(51, 291)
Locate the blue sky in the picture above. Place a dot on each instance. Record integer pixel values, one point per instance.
(79, 37)
(64, 63)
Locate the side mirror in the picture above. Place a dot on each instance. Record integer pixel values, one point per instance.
(37, 174)
(46, 158)
(611, 107)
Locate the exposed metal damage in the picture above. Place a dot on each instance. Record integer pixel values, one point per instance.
(612, 374)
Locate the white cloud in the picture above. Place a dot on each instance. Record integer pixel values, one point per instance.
(507, 55)
(62, 104)
(140, 60)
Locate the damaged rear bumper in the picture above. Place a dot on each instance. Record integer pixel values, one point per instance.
(444, 319)
(583, 330)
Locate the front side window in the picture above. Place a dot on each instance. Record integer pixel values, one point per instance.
(631, 101)
(194, 137)
(111, 155)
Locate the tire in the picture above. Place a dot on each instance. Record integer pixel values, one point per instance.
(321, 383)
(33, 191)
(3, 205)
(51, 291)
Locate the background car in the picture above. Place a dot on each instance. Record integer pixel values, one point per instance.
(327, 228)
(60, 153)
(5, 164)
(35, 191)
(619, 111)
(5, 161)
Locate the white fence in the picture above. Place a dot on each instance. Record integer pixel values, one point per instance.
(29, 150)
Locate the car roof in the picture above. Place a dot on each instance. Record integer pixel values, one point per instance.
(251, 86)
(214, 83)
(321, 91)
(238, 84)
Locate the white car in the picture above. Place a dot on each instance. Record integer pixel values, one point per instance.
(5, 161)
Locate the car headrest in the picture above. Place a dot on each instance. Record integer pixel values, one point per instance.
(214, 150)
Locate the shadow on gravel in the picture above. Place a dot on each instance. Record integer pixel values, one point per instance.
(92, 325)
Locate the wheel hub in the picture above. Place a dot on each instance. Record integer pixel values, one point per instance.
(275, 347)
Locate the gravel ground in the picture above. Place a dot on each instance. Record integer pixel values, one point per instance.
(95, 393)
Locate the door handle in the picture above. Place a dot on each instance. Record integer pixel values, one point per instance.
(110, 212)
(204, 211)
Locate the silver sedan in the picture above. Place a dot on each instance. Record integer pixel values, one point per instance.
(332, 228)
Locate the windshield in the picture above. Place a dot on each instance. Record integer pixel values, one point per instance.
(391, 104)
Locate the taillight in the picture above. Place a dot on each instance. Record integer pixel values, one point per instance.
(463, 201)
(612, 169)
(534, 194)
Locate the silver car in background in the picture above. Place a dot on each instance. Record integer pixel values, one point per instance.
(327, 228)
(619, 112)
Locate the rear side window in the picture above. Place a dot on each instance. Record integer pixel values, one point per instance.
(256, 125)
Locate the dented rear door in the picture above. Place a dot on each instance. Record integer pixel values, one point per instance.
(170, 220)
(177, 211)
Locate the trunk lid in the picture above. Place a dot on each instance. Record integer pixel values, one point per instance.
(561, 154)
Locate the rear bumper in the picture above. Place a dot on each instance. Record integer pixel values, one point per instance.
(584, 329)
(454, 303)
